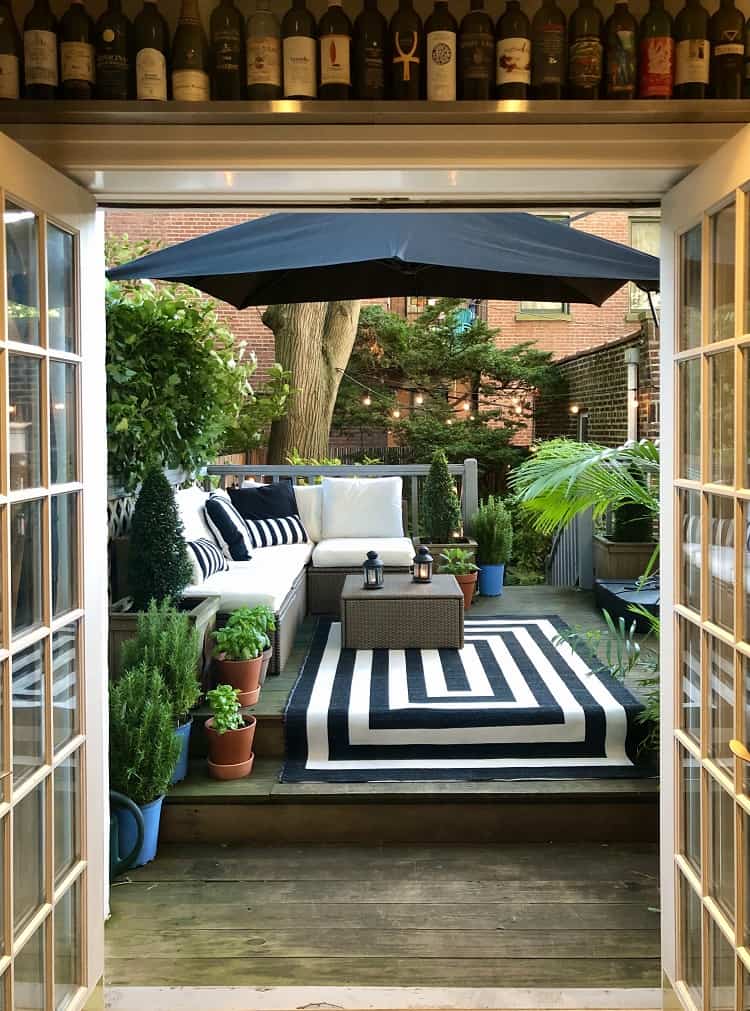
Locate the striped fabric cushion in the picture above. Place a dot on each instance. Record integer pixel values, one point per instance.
(280, 530)
(207, 558)
(228, 527)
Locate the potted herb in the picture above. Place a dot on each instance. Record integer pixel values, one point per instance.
(240, 645)
(230, 735)
(143, 752)
(494, 534)
(459, 562)
(266, 621)
(441, 511)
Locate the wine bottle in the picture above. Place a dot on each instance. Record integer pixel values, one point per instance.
(513, 53)
(407, 45)
(298, 48)
(441, 34)
(77, 58)
(585, 52)
(113, 45)
(10, 54)
(370, 53)
(726, 31)
(476, 54)
(620, 52)
(227, 52)
(335, 40)
(151, 53)
(263, 54)
(190, 57)
(548, 52)
(692, 51)
(41, 75)
(656, 65)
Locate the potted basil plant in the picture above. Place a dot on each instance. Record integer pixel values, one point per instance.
(230, 735)
(240, 645)
(459, 562)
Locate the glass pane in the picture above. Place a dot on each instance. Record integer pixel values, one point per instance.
(62, 404)
(690, 663)
(28, 865)
(61, 311)
(28, 711)
(24, 428)
(690, 308)
(689, 592)
(64, 553)
(721, 389)
(66, 786)
(722, 256)
(689, 969)
(721, 561)
(67, 948)
(22, 274)
(31, 974)
(690, 419)
(722, 971)
(721, 702)
(690, 793)
(26, 565)
(721, 826)
(64, 685)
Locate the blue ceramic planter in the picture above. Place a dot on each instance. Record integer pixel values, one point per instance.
(182, 733)
(491, 580)
(128, 831)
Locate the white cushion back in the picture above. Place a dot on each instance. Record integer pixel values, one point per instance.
(191, 505)
(310, 504)
(362, 507)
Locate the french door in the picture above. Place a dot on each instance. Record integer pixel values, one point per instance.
(53, 601)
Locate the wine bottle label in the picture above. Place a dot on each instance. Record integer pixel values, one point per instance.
(406, 55)
(477, 51)
(621, 62)
(264, 60)
(151, 75)
(729, 49)
(657, 67)
(299, 67)
(111, 70)
(9, 83)
(372, 71)
(190, 86)
(585, 66)
(548, 54)
(692, 61)
(77, 61)
(441, 67)
(40, 57)
(227, 49)
(513, 61)
(335, 63)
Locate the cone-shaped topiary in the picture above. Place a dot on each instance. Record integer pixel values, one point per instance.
(159, 565)
(441, 510)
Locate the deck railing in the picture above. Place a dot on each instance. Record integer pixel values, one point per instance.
(570, 560)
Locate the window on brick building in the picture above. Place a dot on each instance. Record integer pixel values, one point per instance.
(644, 235)
(415, 304)
(552, 309)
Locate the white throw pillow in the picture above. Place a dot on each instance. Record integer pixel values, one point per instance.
(362, 507)
(310, 504)
(191, 503)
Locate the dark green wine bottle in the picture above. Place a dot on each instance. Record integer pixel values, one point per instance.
(692, 51)
(151, 53)
(40, 58)
(114, 57)
(10, 54)
(299, 45)
(513, 54)
(476, 54)
(77, 58)
(335, 56)
(585, 52)
(407, 52)
(656, 64)
(190, 57)
(370, 53)
(548, 52)
(621, 53)
(227, 52)
(726, 32)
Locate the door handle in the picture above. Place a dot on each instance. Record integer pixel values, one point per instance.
(739, 750)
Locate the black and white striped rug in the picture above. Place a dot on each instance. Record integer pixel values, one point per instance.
(514, 703)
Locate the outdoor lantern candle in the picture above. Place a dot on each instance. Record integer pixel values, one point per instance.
(422, 566)
(373, 570)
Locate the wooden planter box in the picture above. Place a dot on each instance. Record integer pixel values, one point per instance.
(468, 544)
(619, 560)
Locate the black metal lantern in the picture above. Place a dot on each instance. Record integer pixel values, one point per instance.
(373, 572)
(422, 566)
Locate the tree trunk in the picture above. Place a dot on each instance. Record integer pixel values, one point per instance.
(314, 341)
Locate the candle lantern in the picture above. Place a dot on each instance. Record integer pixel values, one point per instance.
(422, 565)
(373, 572)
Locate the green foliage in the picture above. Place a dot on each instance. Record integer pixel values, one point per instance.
(441, 510)
(265, 619)
(262, 405)
(493, 530)
(633, 524)
(159, 567)
(244, 636)
(225, 708)
(167, 641)
(530, 547)
(457, 562)
(143, 748)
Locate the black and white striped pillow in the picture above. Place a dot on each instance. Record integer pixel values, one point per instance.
(228, 527)
(207, 558)
(280, 530)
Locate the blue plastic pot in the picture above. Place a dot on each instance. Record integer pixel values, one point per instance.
(491, 580)
(128, 831)
(182, 733)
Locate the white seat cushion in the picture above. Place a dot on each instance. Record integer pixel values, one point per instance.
(191, 504)
(266, 578)
(362, 507)
(309, 499)
(342, 552)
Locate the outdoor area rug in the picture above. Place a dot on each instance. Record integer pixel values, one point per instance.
(514, 703)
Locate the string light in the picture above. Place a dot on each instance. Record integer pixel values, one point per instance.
(519, 409)
(367, 401)
(397, 413)
(574, 409)
(419, 400)
(471, 417)
(466, 405)
(449, 421)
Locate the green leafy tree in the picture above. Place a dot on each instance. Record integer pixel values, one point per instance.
(159, 567)
(441, 510)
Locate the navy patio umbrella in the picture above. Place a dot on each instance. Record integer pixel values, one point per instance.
(317, 257)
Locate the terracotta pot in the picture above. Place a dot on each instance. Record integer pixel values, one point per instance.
(468, 584)
(230, 754)
(226, 772)
(265, 663)
(242, 674)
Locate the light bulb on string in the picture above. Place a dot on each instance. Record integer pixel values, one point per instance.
(466, 405)
(449, 421)
(367, 401)
(419, 400)
(397, 413)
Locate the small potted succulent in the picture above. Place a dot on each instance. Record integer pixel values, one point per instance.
(494, 533)
(240, 645)
(459, 562)
(230, 735)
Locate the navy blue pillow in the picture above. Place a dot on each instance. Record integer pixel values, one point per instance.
(265, 502)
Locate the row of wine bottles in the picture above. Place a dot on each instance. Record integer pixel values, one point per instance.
(694, 56)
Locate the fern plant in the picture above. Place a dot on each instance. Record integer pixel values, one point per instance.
(493, 530)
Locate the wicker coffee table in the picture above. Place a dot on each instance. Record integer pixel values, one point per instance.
(403, 614)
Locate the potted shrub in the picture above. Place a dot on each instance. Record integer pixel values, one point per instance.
(143, 752)
(441, 511)
(459, 562)
(230, 735)
(627, 551)
(494, 535)
(168, 641)
(240, 645)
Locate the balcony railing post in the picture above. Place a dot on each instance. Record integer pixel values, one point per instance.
(470, 492)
